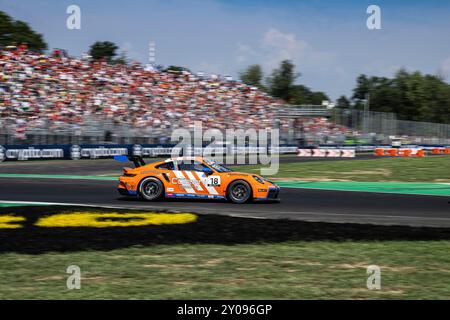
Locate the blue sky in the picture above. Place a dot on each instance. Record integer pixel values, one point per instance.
(328, 40)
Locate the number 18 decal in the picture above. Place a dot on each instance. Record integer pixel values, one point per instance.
(214, 181)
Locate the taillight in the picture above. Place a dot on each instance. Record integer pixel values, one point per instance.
(127, 174)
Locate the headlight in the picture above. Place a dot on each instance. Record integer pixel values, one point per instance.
(260, 180)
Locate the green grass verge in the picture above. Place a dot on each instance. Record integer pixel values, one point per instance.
(429, 169)
(292, 270)
(11, 205)
(418, 188)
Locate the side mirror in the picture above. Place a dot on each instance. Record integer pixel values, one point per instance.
(207, 171)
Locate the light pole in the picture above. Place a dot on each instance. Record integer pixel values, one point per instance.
(367, 113)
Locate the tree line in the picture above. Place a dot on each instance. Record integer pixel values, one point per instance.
(15, 32)
(411, 95)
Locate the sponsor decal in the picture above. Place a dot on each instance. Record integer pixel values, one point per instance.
(190, 195)
(181, 180)
(150, 172)
(283, 149)
(155, 151)
(33, 153)
(103, 152)
(95, 151)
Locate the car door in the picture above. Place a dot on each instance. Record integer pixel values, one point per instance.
(170, 178)
(193, 180)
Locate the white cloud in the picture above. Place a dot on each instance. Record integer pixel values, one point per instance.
(275, 46)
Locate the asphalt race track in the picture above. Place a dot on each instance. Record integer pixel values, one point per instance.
(296, 204)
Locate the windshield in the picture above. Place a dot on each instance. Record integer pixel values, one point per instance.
(218, 167)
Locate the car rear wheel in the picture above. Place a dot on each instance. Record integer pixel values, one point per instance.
(239, 192)
(151, 189)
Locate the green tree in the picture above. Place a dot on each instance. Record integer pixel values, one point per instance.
(253, 76)
(281, 82)
(412, 96)
(6, 29)
(17, 32)
(318, 97)
(363, 85)
(122, 59)
(343, 102)
(103, 50)
(302, 95)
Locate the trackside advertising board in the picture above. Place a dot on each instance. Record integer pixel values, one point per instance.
(102, 151)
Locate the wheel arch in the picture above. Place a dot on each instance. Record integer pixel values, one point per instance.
(240, 179)
(138, 189)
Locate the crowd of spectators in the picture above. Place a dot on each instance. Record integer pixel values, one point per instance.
(321, 130)
(55, 92)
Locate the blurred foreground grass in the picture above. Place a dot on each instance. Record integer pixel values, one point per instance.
(291, 270)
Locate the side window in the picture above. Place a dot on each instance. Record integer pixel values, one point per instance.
(191, 166)
(198, 166)
(166, 166)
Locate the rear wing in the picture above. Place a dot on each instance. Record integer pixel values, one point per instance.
(138, 161)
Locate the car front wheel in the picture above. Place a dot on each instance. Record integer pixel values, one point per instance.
(239, 192)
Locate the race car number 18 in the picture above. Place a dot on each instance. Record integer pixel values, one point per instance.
(214, 181)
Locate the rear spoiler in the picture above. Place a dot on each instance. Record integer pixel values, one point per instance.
(137, 160)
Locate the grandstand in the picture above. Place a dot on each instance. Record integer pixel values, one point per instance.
(55, 99)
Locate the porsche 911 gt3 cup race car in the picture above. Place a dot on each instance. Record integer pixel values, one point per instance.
(193, 177)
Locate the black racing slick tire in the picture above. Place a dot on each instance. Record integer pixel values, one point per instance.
(239, 192)
(151, 189)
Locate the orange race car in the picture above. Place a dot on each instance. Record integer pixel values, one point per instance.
(192, 177)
